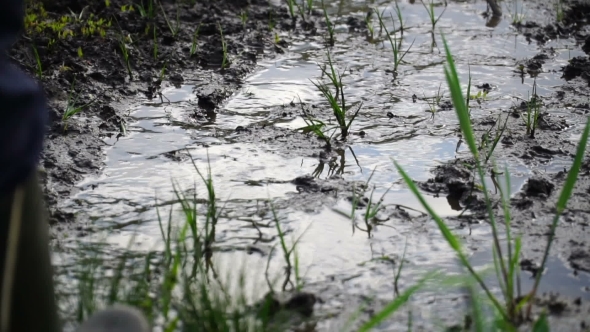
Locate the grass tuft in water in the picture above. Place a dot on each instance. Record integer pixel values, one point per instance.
(398, 56)
(329, 25)
(431, 15)
(533, 110)
(506, 267)
(336, 100)
(146, 10)
(178, 287)
(72, 106)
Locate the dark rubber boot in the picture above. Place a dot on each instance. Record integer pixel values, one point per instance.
(116, 319)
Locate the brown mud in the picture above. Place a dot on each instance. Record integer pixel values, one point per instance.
(100, 78)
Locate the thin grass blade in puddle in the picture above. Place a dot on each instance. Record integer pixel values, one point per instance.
(396, 304)
(564, 197)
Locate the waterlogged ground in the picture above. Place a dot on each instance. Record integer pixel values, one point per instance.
(256, 154)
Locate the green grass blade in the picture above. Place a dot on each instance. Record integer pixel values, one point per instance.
(394, 305)
(459, 101)
(450, 238)
(446, 232)
(566, 193)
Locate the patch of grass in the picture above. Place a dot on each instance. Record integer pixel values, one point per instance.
(533, 110)
(174, 28)
(329, 25)
(505, 260)
(336, 100)
(180, 286)
(398, 56)
(38, 21)
(287, 252)
(195, 42)
(72, 107)
(434, 102)
(479, 96)
(372, 209)
(80, 52)
(146, 10)
(431, 15)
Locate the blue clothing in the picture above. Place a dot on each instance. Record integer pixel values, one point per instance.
(23, 108)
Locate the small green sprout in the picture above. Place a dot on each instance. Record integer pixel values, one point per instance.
(39, 67)
(80, 53)
(225, 60)
(174, 28)
(329, 25)
(146, 11)
(72, 107)
(126, 55)
(430, 9)
(533, 111)
(398, 56)
(195, 42)
(516, 15)
(291, 4)
(336, 100)
(244, 18)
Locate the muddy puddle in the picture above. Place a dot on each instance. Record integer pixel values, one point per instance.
(255, 155)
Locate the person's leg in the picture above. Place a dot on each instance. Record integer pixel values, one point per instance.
(32, 305)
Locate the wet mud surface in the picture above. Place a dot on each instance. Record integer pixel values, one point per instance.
(118, 155)
(100, 79)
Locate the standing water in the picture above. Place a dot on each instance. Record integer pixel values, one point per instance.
(254, 156)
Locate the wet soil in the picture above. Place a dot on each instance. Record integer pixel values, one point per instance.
(91, 70)
(563, 115)
(101, 79)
